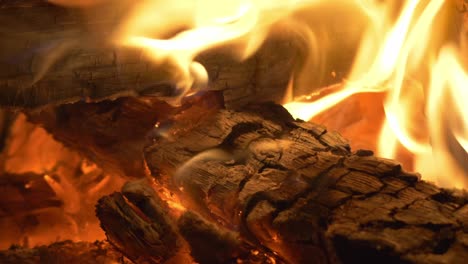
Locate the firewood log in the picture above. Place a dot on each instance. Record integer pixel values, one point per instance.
(298, 191)
(140, 224)
(99, 252)
(55, 55)
(113, 133)
(137, 222)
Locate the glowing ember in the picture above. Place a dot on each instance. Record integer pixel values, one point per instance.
(55, 173)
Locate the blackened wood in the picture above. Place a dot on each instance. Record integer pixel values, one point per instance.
(297, 189)
(212, 243)
(99, 252)
(113, 133)
(137, 223)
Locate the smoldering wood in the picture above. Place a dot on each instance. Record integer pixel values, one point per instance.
(297, 189)
(99, 252)
(212, 243)
(142, 227)
(137, 223)
(113, 133)
(374, 208)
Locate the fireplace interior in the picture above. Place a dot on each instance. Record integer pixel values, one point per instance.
(247, 131)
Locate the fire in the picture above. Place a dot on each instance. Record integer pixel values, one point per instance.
(426, 117)
(391, 56)
(402, 55)
(201, 25)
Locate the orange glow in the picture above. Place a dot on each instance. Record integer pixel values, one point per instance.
(57, 173)
(172, 200)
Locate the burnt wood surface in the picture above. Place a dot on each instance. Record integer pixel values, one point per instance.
(113, 133)
(296, 190)
(137, 222)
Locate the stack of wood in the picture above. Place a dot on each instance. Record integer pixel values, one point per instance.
(224, 178)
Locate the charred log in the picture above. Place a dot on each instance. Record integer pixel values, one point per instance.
(140, 225)
(297, 189)
(113, 133)
(137, 223)
(99, 252)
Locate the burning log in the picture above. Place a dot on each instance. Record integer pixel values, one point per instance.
(253, 180)
(141, 224)
(136, 222)
(51, 54)
(296, 190)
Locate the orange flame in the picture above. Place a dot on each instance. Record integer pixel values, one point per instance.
(423, 114)
(427, 118)
(208, 23)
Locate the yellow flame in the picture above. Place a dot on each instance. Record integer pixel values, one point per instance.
(425, 115)
(390, 64)
(448, 127)
(210, 23)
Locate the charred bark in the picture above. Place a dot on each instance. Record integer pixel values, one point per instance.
(297, 189)
(113, 133)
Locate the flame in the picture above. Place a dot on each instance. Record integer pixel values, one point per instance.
(426, 117)
(208, 24)
(397, 51)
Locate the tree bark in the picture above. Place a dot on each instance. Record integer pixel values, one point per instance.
(296, 190)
